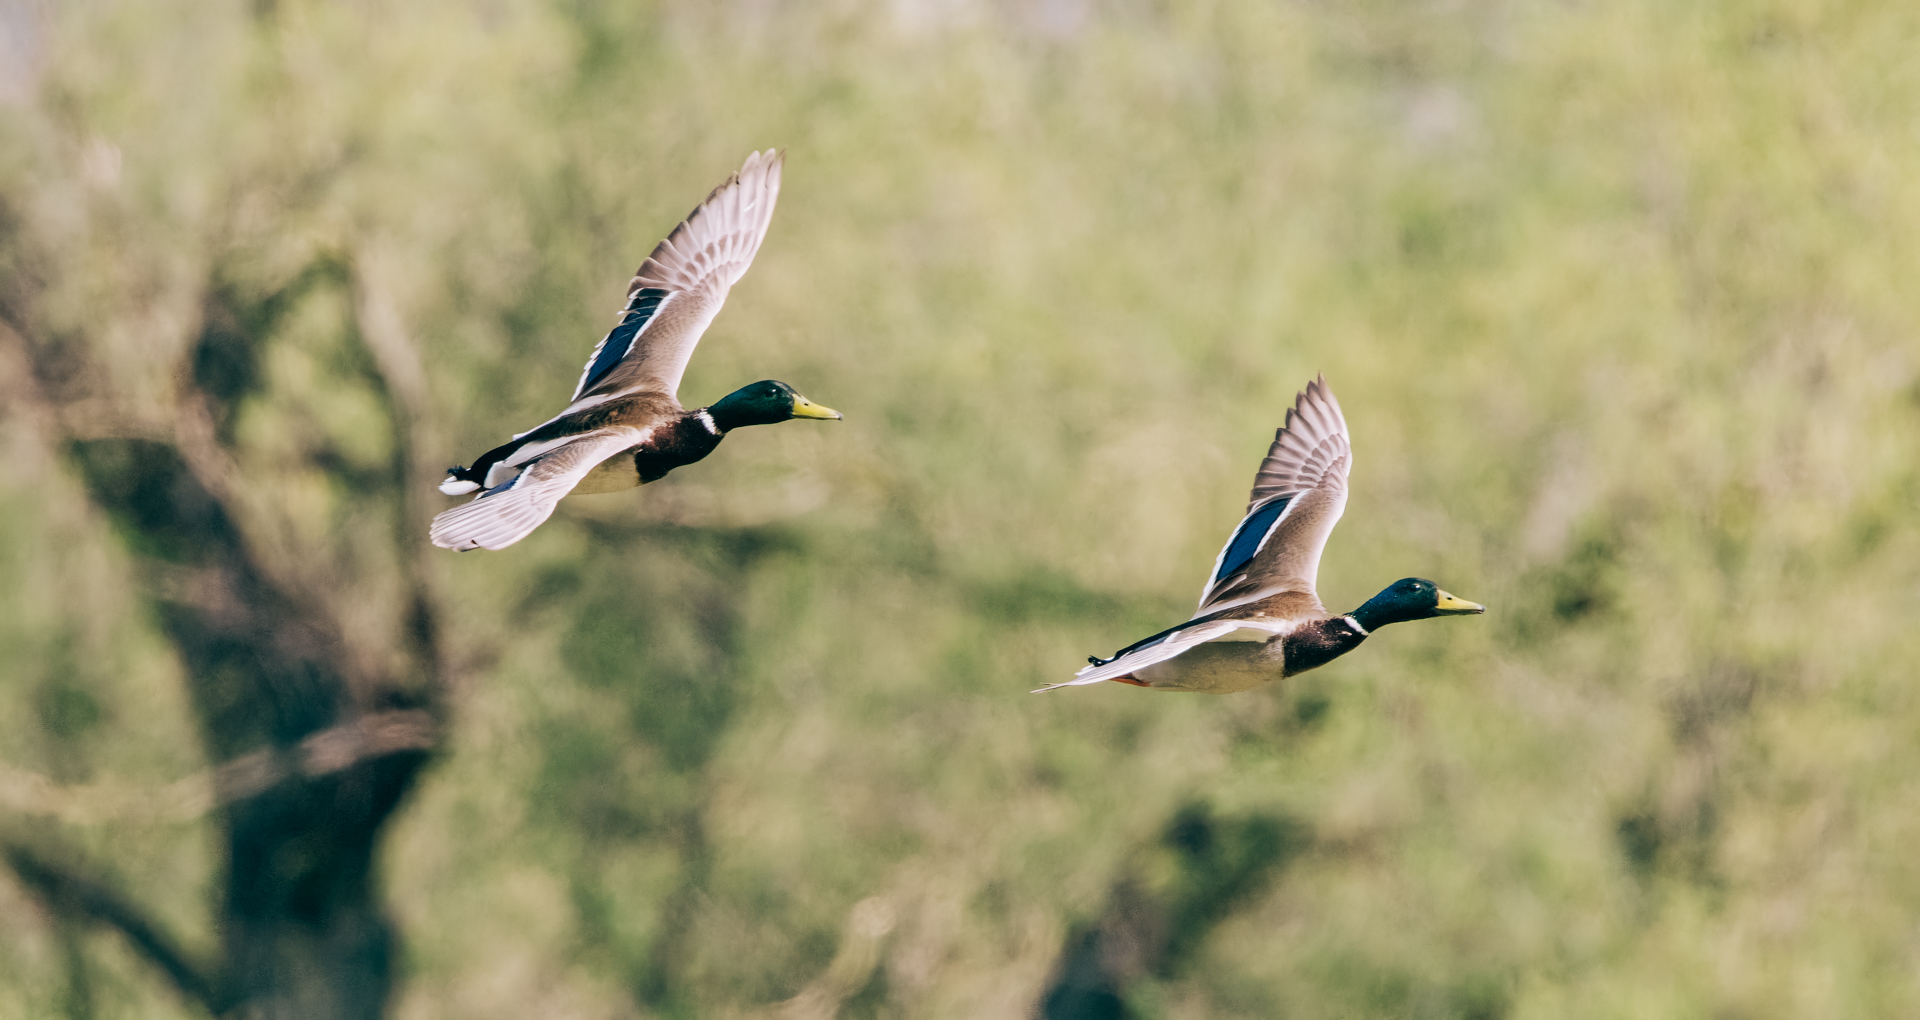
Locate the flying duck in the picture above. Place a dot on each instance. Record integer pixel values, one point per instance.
(625, 426)
(1259, 618)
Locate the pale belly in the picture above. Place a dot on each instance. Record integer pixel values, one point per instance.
(1218, 667)
(614, 474)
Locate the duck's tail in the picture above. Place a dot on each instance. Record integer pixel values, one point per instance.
(459, 481)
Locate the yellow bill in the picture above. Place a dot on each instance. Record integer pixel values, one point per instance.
(804, 408)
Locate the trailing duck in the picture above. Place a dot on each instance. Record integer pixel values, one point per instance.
(1260, 619)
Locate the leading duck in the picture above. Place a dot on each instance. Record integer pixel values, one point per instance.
(1259, 618)
(625, 426)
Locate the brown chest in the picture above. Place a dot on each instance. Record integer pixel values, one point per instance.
(667, 447)
(1320, 642)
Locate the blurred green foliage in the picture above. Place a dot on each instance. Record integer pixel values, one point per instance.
(1618, 298)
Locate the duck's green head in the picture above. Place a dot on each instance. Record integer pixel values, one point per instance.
(1412, 598)
(764, 403)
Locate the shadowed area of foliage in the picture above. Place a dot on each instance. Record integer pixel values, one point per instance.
(1162, 913)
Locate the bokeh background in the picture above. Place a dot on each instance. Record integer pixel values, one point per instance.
(1620, 299)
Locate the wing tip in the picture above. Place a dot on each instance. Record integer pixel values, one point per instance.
(1078, 681)
(1319, 393)
(758, 178)
(478, 524)
(1314, 408)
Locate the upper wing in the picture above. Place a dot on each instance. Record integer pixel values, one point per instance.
(507, 513)
(680, 287)
(1298, 496)
(1163, 646)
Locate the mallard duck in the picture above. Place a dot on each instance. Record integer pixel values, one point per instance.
(625, 426)
(1259, 618)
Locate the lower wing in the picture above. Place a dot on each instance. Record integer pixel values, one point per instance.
(503, 515)
(1165, 646)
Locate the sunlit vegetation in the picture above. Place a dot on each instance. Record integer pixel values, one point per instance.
(1620, 300)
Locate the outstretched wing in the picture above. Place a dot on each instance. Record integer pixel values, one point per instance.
(681, 286)
(508, 512)
(1167, 644)
(1298, 497)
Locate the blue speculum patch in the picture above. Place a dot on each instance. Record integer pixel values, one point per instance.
(639, 312)
(1246, 539)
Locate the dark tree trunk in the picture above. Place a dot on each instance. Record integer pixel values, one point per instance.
(312, 755)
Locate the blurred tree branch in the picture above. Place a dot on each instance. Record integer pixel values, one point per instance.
(67, 892)
(330, 750)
